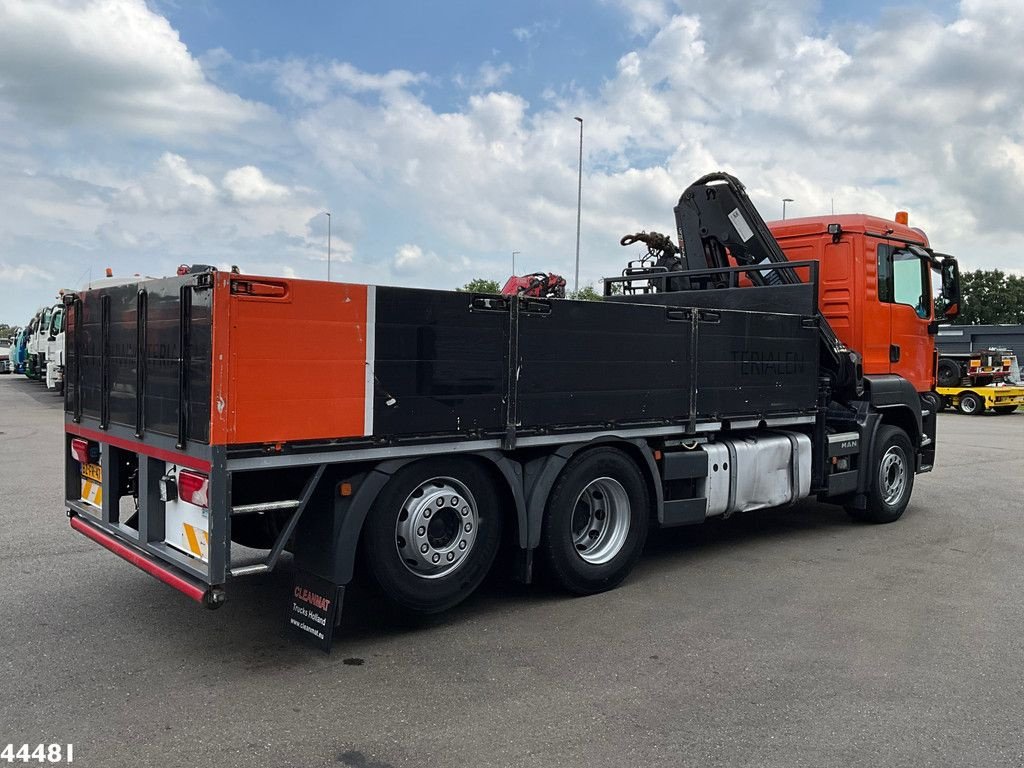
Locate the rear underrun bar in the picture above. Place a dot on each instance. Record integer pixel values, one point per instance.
(210, 597)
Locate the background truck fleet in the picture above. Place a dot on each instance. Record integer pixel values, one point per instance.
(737, 368)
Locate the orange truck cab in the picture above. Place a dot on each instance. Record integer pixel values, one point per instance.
(881, 288)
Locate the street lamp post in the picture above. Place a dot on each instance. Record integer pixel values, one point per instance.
(579, 208)
(784, 201)
(514, 261)
(328, 215)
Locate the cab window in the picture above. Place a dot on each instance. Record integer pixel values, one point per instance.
(903, 279)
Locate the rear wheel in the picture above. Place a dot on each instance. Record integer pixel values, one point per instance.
(971, 404)
(432, 534)
(1004, 408)
(892, 477)
(596, 521)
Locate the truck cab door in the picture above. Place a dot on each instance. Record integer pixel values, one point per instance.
(873, 311)
(905, 285)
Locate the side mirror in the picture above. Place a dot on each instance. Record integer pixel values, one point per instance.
(951, 287)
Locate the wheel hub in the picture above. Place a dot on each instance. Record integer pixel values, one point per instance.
(600, 520)
(436, 527)
(892, 475)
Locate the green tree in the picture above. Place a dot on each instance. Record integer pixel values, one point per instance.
(593, 292)
(481, 285)
(586, 293)
(989, 297)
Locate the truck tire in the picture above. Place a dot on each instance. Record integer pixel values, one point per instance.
(971, 404)
(595, 524)
(433, 533)
(1001, 409)
(948, 373)
(892, 477)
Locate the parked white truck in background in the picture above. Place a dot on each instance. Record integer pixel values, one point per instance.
(54, 370)
(36, 347)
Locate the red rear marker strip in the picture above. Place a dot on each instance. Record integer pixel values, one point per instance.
(138, 560)
(147, 450)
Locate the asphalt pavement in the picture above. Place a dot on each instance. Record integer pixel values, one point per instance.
(784, 638)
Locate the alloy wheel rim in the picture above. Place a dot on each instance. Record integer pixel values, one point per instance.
(892, 475)
(437, 527)
(600, 520)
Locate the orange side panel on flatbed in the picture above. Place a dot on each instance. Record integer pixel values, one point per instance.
(289, 360)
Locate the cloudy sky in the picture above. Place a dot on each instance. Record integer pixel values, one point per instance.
(143, 135)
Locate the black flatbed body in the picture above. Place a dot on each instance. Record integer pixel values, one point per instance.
(476, 365)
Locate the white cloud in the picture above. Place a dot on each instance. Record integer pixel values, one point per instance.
(172, 185)
(644, 15)
(113, 234)
(358, 81)
(248, 185)
(314, 82)
(108, 64)
(489, 75)
(530, 32)
(411, 261)
(522, 34)
(409, 255)
(18, 273)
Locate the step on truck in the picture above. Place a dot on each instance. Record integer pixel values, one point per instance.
(744, 370)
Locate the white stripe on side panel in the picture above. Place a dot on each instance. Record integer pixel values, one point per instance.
(371, 345)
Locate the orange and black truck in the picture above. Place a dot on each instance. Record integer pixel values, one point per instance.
(746, 367)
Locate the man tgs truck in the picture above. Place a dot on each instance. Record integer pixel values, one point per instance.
(754, 367)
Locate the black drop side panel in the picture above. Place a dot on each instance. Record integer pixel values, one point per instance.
(441, 364)
(798, 298)
(755, 364)
(587, 362)
(163, 334)
(104, 364)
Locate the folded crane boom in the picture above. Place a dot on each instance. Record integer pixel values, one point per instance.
(719, 228)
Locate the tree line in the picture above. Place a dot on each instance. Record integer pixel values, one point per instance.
(991, 297)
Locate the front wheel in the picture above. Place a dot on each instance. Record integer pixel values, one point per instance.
(971, 404)
(433, 533)
(596, 521)
(892, 477)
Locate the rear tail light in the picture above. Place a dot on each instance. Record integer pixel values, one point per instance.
(84, 452)
(193, 487)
